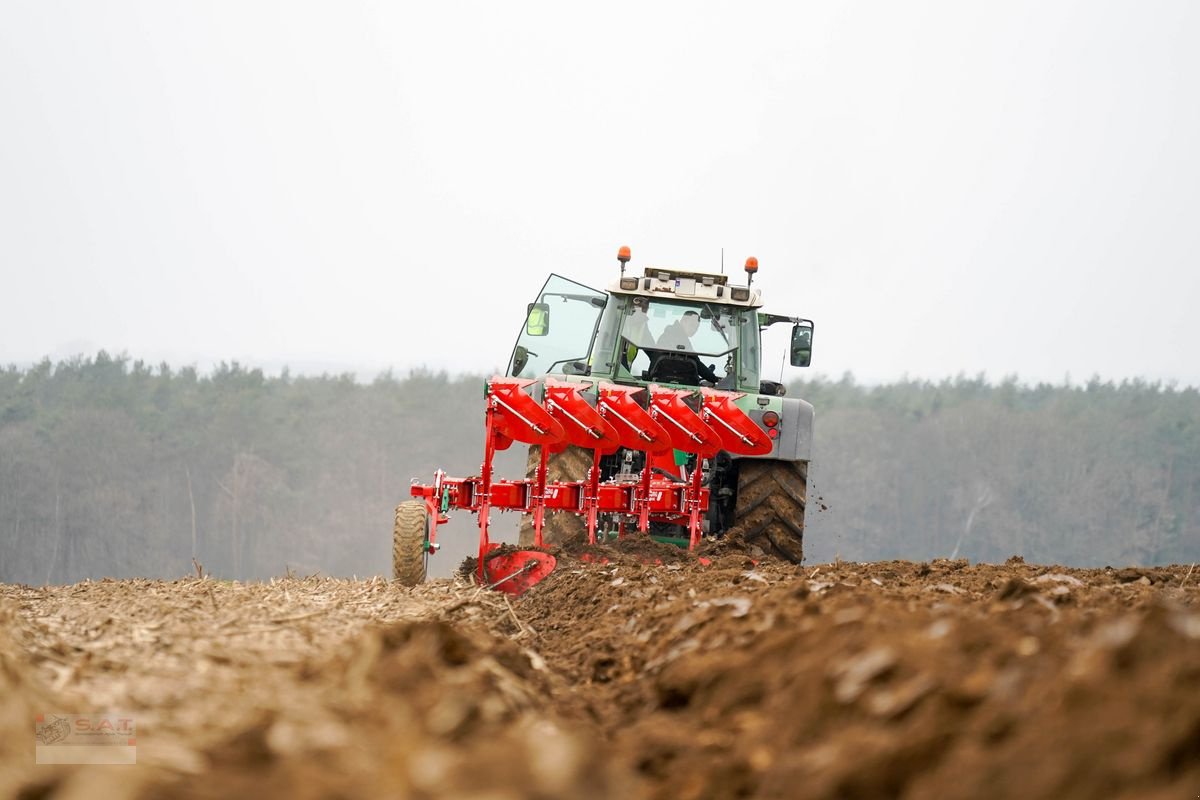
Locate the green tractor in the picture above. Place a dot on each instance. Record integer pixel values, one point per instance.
(677, 329)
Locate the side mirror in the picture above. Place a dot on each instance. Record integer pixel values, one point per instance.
(537, 321)
(520, 359)
(802, 336)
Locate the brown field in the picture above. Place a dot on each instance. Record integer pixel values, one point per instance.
(623, 680)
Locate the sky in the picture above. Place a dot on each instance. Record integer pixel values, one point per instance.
(943, 187)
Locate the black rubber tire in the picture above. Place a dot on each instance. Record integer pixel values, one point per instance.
(409, 538)
(770, 504)
(571, 464)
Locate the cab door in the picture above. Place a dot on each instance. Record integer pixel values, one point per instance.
(558, 331)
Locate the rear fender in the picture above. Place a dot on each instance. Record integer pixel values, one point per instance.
(795, 439)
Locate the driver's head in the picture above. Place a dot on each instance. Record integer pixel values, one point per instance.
(691, 322)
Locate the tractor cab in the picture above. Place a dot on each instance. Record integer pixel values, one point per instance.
(668, 327)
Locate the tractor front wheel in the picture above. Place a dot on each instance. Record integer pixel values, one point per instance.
(571, 464)
(410, 539)
(769, 512)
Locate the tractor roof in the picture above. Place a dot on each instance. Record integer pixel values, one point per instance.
(677, 284)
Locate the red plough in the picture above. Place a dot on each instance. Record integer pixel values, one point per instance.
(663, 492)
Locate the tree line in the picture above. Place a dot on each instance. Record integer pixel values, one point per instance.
(112, 467)
(1100, 473)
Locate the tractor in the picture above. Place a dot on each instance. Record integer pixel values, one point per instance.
(646, 413)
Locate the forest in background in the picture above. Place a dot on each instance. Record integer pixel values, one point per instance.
(110, 467)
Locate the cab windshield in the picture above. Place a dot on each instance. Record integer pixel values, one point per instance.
(654, 331)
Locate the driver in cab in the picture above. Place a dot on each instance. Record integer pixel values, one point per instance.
(678, 336)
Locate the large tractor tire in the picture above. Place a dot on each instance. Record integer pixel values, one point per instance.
(409, 539)
(770, 506)
(571, 464)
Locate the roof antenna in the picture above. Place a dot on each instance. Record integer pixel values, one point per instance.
(722, 260)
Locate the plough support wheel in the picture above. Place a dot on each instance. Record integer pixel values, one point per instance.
(410, 538)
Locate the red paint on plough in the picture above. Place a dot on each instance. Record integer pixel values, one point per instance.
(515, 571)
(700, 423)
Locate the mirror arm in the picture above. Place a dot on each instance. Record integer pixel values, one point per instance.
(767, 320)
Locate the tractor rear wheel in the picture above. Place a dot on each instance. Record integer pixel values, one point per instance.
(571, 464)
(409, 542)
(769, 511)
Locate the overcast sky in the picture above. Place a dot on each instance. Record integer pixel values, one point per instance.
(950, 187)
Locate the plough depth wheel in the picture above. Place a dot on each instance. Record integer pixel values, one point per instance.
(409, 542)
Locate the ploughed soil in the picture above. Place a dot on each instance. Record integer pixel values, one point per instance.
(623, 677)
